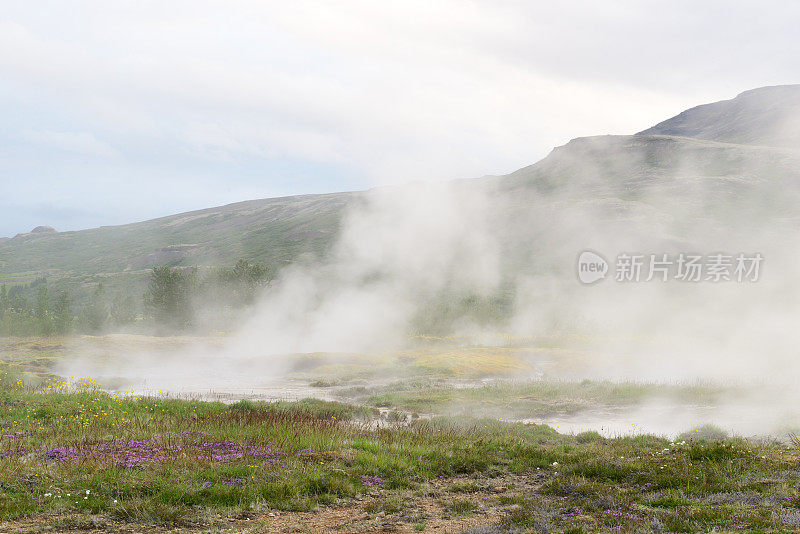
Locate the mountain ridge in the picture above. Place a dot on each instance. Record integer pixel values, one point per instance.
(768, 116)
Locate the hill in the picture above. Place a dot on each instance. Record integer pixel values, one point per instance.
(720, 167)
(768, 116)
(273, 231)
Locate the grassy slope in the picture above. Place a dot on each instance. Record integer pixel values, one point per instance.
(272, 231)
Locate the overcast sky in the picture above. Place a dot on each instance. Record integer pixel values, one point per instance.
(119, 110)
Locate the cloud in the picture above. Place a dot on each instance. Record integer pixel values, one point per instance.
(377, 92)
(78, 142)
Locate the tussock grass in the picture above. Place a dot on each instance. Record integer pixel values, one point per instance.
(172, 462)
(530, 398)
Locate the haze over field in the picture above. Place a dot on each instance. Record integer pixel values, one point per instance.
(519, 236)
(491, 261)
(420, 257)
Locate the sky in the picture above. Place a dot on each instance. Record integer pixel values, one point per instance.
(120, 111)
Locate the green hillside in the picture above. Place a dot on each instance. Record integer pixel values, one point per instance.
(271, 231)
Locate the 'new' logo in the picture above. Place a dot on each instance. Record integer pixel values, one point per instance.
(591, 267)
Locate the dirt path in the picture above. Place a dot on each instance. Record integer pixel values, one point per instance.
(443, 506)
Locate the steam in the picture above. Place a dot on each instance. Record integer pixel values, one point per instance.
(404, 245)
(518, 236)
(400, 246)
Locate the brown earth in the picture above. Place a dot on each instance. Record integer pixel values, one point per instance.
(427, 509)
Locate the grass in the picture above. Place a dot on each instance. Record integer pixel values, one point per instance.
(323, 370)
(529, 399)
(75, 453)
(317, 408)
(271, 231)
(428, 360)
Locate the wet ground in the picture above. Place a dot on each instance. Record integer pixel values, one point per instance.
(211, 369)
